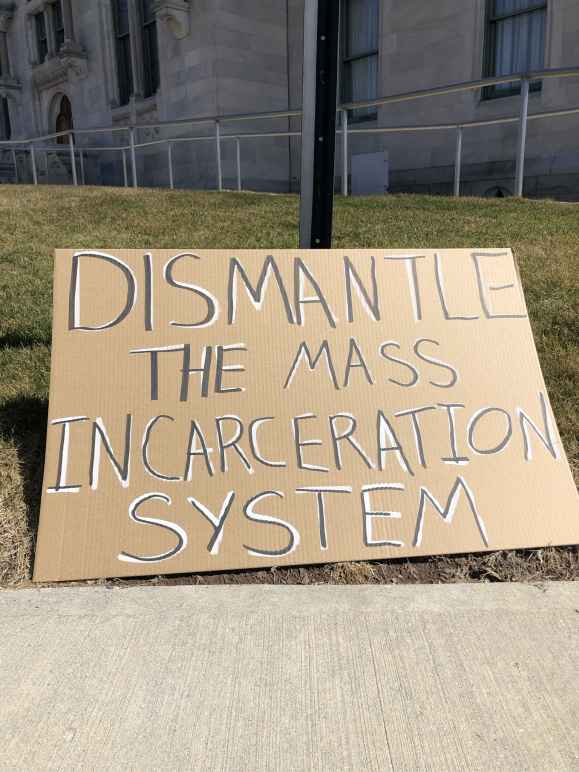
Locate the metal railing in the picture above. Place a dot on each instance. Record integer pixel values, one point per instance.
(128, 151)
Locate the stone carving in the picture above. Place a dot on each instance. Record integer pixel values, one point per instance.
(176, 15)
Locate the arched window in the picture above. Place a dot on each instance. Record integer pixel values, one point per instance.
(5, 128)
(64, 120)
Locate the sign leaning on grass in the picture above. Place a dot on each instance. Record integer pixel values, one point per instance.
(215, 410)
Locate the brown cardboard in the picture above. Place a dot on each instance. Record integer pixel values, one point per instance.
(445, 333)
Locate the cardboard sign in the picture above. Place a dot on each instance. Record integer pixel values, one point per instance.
(215, 410)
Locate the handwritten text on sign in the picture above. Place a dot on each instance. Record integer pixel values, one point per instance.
(217, 410)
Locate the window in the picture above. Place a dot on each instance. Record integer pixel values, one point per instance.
(515, 42)
(58, 25)
(123, 50)
(150, 48)
(41, 36)
(64, 120)
(5, 128)
(360, 59)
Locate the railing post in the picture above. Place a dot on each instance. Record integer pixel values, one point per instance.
(72, 159)
(33, 163)
(133, 156)
(218, 152)
(344, 152)
(170, 164)
(238, 163)
(82, 175)
(125, 170)
(520, 172)
(15, 162)
(458, 161)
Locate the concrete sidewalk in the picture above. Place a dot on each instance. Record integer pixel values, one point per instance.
(456, 677)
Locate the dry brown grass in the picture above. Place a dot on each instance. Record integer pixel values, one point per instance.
(35, 221)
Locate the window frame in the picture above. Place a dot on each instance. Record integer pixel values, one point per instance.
(150, 48)
(5, 120)
(123, 56)
(41, 36)
(58, 24)
(366, 113)
(489, 57)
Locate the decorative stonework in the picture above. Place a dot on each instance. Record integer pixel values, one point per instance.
(67, 65)
(176, 15)
(9, 85)
(6, 14)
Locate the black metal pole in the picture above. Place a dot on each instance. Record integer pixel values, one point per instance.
(320, 80)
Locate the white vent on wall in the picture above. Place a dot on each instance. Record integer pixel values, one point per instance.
(370, 174)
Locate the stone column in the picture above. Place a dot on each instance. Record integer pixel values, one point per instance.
(49, 24)
(68, 23)
(135, 30)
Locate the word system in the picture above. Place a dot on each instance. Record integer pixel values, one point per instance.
(216, 410)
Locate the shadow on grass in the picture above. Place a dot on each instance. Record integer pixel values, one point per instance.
(23, 339)
(23, 423)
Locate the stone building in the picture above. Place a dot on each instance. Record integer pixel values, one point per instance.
(79, 64)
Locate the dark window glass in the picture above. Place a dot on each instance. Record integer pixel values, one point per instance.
(123, 50)
(360, 60)
(515, 42)
(64, 120)
(150, 48)
(5, 127)
(41, 38)
(58, 25)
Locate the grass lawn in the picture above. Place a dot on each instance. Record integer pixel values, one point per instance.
(35, 221)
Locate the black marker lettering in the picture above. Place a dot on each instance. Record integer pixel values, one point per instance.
(195, 434)
(301, 272)
(233, 442)
(61, 485)
(410, 261)
(253, 444)
(447, 512)
(483, 289)
(101, 438)
(256, 517)
(149, 317)
(299, 443)
(416, 429)
(415, 376)
(204, 371)
(220, 368)
(441, 293)
(173, 528)
(547, 437)
(454, 458)
(212, 313)
(145, 449)
(74, 292)
(304, 353)
(385, 431)
(432, 361)
(347, 435)
(154, 365)
(257, 294)
(217, 523)
(369, 514)
(371, 304)
(319, 492)
(473, 423)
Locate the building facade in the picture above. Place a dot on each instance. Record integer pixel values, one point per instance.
(79, 64)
